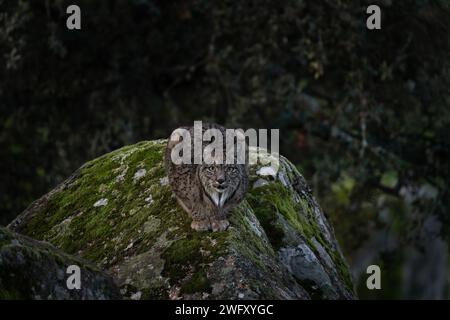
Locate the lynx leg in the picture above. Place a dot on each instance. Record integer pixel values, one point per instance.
(201, 225)
(219, 225)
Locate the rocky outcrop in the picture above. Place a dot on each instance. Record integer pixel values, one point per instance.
(119, 212)
(32, 269)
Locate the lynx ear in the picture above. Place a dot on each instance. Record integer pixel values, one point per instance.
(177, 136)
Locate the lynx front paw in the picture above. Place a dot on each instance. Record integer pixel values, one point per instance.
(201, 225)
(219, 225)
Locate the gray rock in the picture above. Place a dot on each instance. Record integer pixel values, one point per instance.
(279, 244)
(32, 269)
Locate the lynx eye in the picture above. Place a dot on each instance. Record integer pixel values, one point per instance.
(210, 169)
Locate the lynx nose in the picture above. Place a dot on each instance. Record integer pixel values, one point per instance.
(221, 180)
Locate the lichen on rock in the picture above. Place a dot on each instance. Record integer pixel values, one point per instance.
(279, 244)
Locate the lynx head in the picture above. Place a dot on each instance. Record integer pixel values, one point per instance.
(220, 181)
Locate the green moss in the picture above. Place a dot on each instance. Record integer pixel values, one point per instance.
(274, 198)
(198, 283)
(246, 239)
(343, 270)
(268, 219)
(154, 294)
(89, 230)
(186, 258)
(180, 254)
(245, 233)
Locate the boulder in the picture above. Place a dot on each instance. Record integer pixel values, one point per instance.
(118, 211)
(31, 269)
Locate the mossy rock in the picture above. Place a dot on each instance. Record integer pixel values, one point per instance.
(119, 212)
(31, 269)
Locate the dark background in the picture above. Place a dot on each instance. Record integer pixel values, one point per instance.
(364, 114)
